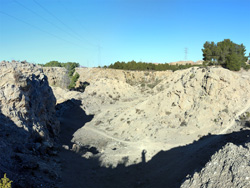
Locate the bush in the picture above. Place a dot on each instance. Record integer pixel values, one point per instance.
(74, 78)
(5, 182)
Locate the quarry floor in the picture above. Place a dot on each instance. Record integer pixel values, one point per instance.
(166, 169)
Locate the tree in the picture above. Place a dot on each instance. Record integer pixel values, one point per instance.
(233, 62)
(220, 54)
(207, 53)
(74, 78)
(70, 66)
(53, 64)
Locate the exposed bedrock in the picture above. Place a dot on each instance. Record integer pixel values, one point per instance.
(28, 124)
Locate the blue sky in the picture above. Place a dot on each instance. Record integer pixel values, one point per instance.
(101, 32)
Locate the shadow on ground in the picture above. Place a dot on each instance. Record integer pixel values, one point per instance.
(73, 117)
(166, 169)
(21, 153)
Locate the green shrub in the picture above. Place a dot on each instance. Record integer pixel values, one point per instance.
(184, 123)
(73, 81)
(5, 182)
(245, 116)
(192, 75)
(133, 65)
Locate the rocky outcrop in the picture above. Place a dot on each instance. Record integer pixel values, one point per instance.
(28, 124)
(57, 76)
(229, 167)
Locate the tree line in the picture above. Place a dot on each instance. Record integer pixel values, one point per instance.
(133, 65)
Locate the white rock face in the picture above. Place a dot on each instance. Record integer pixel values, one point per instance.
(28, 124)
(27, 99)
(57, 76)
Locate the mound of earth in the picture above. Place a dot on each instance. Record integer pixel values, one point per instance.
(228, 167)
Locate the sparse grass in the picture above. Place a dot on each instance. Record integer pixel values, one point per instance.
(192, 75)
(225, 110)
(167, 113)
(138, 111)
(161, 88)
(184, 123)
(142, 84)
(130, 82)
(153, 84)
(5, 182)
(98, 122)
(245, 116)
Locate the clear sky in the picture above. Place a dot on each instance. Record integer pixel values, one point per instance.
(101, 32)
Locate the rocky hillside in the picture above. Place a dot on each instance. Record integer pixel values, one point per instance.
(187, 128)
(28, 125)
(182, 107)
(182, 126)
(140, 78)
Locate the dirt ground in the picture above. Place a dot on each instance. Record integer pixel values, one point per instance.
(166, 169)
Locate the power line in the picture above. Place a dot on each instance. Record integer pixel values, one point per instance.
(186, 52)
(50, 13)
(46, 20)
(98, 46)
(99, 55)
(20, 20)
(78, 22)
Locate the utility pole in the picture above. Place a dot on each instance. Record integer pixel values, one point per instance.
(186, 52)
(99, 55)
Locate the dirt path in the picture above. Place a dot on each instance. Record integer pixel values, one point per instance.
(98, 132)
(235, 118)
